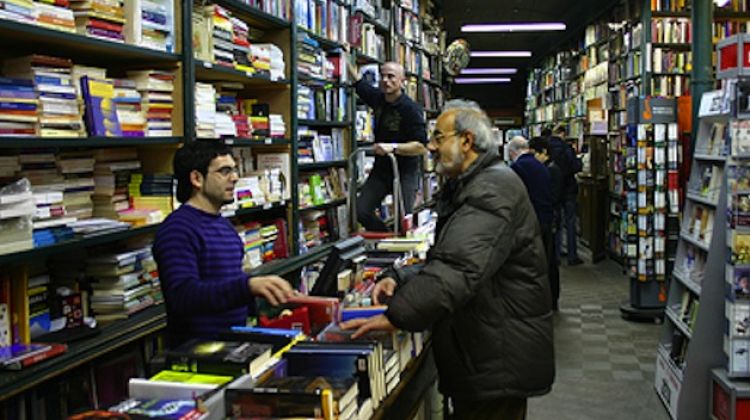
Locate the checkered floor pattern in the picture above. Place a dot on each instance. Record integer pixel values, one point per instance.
(605, 365)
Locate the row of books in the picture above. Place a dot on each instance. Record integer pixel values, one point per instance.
(669, 61)
(263, 241)
(220, 112)
(323, 103)
(671, 30)
(320, 187)
(221, 38)
(322, 226)
(327, 18)
(319, 147)
(270, 371)
(145, 23)
(48, 96)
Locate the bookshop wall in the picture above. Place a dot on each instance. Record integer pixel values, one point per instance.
(96, 97)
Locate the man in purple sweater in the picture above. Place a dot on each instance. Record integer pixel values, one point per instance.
(199, 253)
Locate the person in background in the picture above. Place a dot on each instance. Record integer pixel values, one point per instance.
(399, 129)
(199, 254)
(565, 158)
(483, 289)
(540, 147)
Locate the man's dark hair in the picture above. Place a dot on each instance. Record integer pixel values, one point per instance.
(195, 156)
(539, 144)
(546, 132)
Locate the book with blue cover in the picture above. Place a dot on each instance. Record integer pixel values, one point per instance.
(101, 115)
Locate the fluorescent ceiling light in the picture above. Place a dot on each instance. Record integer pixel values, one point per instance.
(721, 3)
(500, 54)
(514, 27)
(489, 71)
(467, 80)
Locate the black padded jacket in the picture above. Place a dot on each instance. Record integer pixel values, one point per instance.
(483, 290)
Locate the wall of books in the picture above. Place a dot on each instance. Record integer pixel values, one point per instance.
(96, 96)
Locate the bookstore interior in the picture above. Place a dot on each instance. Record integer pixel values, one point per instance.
(100, 100)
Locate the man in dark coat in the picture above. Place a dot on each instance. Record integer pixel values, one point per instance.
(483, 290)
(540, 147)
(565, 158)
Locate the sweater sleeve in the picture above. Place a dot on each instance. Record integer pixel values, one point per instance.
(177, 251)
(473, 248)
(369, 95)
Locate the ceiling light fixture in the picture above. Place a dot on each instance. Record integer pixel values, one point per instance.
(514, 27)
(721, 3)
(500, 54)
(467, 80)
(490, 71)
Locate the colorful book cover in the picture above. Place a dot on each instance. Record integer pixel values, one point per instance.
(219, 357)
(101, 118)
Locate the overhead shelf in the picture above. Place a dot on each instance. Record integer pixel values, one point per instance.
(254, 16)
(41, 142)
(210, 72)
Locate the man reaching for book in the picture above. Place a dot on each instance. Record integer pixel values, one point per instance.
(483, 289)
(199, 253)
(399, 129)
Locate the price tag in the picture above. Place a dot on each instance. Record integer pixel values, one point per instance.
(230, 213)
(282, 203)
(267, 206)
(229, 142)
(248, 74)
(207, 65)
(269, 141)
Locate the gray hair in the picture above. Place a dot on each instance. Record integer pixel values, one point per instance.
(517, 145)
(470, 117)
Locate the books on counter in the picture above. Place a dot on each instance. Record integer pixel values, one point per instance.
(219, 357)
(19, 356)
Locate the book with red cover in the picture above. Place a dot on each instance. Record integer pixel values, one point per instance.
(322, 310)
(19, 356)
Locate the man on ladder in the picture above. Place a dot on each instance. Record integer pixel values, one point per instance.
(399, 129)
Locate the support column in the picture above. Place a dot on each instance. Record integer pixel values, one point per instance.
(702, 78)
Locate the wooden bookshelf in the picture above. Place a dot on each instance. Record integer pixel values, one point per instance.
(46, 142)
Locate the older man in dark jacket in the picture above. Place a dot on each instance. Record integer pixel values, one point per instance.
(483, 289)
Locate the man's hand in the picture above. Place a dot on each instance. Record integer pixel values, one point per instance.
(365, 325)
(382, 149)
(383, 290)
(273, 288)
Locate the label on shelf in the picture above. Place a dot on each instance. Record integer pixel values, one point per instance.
(249, 74)
(207, 65)
(229, 142)
(267, 206)
(268, 141)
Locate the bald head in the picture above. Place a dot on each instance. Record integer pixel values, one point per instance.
(391, 80)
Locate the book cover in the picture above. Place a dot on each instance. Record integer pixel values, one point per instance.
(19, 356)
(101, 115)
(219, 357)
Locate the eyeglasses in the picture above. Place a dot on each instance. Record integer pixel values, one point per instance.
(439, 138)
(226, 171)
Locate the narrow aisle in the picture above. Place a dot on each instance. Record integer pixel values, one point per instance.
(605, 365)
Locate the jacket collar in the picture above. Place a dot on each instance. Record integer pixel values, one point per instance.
(450, 191)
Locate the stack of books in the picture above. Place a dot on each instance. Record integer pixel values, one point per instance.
(241, 46)
(103, 19)
(77, 168)
(277, 125)
(18, 108)
(311, 58)
(16, 209)
(157, 103)
(261, 58)
(19, 356)
(150, 24)
(112, 173)
(222, 51)
(50, 217)
(19, 11)
(226, 108)
(56, 15)
(127, 101)
(121, 283)
(151, 195)
(9, 168)
(205, 110)
(59, 103)
(277, 67)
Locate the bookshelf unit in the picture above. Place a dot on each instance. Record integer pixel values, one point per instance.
(690, 343)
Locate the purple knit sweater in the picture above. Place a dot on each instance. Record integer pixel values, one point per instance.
(200, 266)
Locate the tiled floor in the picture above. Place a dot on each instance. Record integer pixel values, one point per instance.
(605, 365)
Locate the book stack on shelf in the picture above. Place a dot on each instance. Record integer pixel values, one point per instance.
(150, 24)
(103, 19)
(122, 284)
(16, 210)
(263, 241)
(319, 147)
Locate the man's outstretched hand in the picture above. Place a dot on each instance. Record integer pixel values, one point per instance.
(365, 325)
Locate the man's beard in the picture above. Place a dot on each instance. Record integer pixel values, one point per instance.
(452, 168)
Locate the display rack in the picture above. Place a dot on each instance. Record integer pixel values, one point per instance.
(690, 343)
